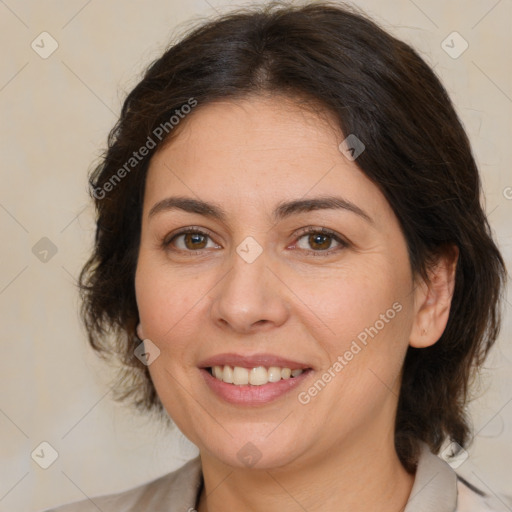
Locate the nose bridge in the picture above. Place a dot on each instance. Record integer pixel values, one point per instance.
(249, 294)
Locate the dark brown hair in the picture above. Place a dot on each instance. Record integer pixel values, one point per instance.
(417, 153)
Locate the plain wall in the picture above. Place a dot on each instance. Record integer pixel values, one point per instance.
(55, 116)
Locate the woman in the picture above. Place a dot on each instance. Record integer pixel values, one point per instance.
(293, 264)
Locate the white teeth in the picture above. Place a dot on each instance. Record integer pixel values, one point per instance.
(258, 376)
(255, 376)
(285, 373)
(227, 374)
(274, 374)
(240, 375)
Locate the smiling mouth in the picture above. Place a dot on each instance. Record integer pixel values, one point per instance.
(257, 376)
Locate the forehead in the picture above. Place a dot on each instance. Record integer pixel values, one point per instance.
(270, 126)
(258, 150)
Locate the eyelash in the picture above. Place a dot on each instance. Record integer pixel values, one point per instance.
(310, 230)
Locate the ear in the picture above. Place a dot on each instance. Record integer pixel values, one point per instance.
(139, 332)
(433, 298)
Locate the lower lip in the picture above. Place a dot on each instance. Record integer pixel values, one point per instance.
(252, 395)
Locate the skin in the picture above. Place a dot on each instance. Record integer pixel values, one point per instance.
(337, 451)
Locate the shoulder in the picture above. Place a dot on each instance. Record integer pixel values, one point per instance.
(438, 487)
(174, 491)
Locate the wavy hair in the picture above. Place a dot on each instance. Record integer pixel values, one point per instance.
(418, 154)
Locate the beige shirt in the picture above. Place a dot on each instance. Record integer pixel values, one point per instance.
(436, 488)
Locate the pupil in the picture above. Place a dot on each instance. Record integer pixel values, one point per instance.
(320, 241)
(193, 239)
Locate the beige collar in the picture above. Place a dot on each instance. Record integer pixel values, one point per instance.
(435, 485)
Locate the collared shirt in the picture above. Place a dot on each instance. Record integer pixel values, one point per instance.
(436, 488)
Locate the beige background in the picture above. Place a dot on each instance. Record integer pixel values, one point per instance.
(56, 114)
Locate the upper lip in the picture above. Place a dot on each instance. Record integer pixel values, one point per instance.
(251, 361)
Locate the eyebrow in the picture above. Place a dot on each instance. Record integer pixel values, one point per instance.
(283, 210)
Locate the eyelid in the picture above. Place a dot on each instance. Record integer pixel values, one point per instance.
(166, 241)
(343, 243)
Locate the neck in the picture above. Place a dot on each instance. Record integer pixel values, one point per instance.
(353, 476)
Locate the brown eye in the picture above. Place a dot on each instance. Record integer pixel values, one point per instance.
(320, 241)
(194, 241)
(190, 240)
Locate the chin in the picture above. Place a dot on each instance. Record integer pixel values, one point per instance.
(257, 451)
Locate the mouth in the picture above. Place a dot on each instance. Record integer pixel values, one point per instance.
(252, 380)
(257, 376)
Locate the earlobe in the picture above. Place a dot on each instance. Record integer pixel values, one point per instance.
(433, 300)
(139, 332)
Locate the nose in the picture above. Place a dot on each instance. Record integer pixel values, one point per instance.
(250, 297)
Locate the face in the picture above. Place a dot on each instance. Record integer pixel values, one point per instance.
(265, 249)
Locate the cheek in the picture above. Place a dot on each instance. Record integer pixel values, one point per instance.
(169, 303)
(365, 342)
(347, 301)
(165, 298)
(364, 317)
